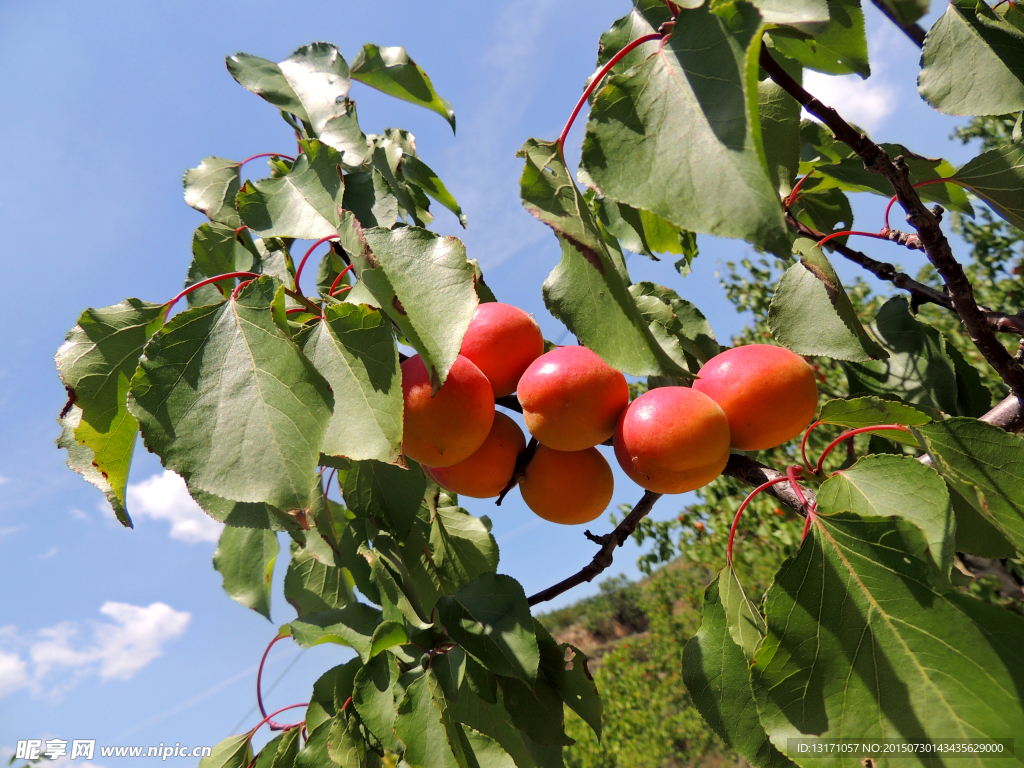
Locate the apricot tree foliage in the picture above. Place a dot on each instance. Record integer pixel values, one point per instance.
(260, 397)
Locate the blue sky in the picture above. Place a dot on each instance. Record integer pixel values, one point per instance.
(125, 636)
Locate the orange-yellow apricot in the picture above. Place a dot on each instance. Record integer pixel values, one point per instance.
(767, 392)
(485, 473)
(568, 487)
(502, 340)
(445, 429)
(572, 398)
(672, 440)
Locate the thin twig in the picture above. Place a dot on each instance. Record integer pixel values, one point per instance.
(609, 542)
(509, 401)
(519, 473)
(926, 222)
(913, 30)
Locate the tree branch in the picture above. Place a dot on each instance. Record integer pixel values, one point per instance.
(914, 31)
(609, 542)
(921, 293)
(926, 222)
(754, 473)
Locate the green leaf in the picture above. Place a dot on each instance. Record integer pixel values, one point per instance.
(780, 133)
(985, 465)
(233, 752)
(352, 625)
(387, 494)
(492, 719)
(639, 231)
(907, 11)
(424, 283)
(96, 363)
(716, 675)
(280, 752)
(389, 69)
(678, 136)
(679, 327)
(344, 747)
(399, 596)
(81, 460)
(975, 535)
(311, 586)
(589, 289)
(330, 692)
(917, 369)
(812, 314)
(997, 177)
(860, 644)
(645, 18)
(490, 618)
(415, 171)
(535, 709)
(849, 174)
(973, 397)
(387, 157)
(303, 204)
(809, 15)
(841, 49)
(245, 560)
(265, 79)
(229, 402)
(211, 187)
(565, 667)
(898, 486)
(826, 210)
(388, 634)
(243, 514)
(315, 752)
(369, 197)
(973, 62)
(746, 624)
(425, 725)
(462, 547)
(216, 250)
(374, 698)
(353, 347)
(857, 412)
(450, 670)
(482, 751)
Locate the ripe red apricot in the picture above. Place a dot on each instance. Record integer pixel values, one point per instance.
(445, 429)
(672, 440)
(767, 392)
(502, 340)
(486, 472)
(572, 398)
(568, 487)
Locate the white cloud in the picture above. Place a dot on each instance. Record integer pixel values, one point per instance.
(165, 497)
(51, 552)
(114, 649)
(80, 515)
(4, 480)
(10, 530)
(866, 103)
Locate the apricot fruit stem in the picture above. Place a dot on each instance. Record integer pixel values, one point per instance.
(313, 247)
(851, 433)
(597, 81)
(522, 460)
(743, 506)
(201, 283)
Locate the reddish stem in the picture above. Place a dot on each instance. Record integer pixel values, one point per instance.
(919, 184)
(795, 192)
(259, 691)
(201, 283)
(807, 527)
(338, 279)
(295, 310)
(876, 235)
(803, 445)
(282, 709)
(791, 473)
(596, 81)
(265, 154)
(298, 272)
(238, 288)
(327, 485)
(743, 506)
(851, 433)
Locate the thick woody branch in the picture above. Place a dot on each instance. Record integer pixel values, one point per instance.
(926, 222)
(920, 293)
(914, 31)
(754, 473)
(609, 542)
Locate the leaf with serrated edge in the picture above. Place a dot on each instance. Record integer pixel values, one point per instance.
(216, 250)
(230, 403)
(715, 673)
(997, 177)
(857, 412)
(389, 69)
(985, 464)
(245, 560)
(374, 698)
(565, 666)
(386, 493)
(746, 624)
(313, 587)
(305, 203)
(780, 133)
(678, 134)
(861, 642)
(80, 460)
(354, 348)
(419, 173)
(211, 187)
(281, 751)
(490, 618)
(424, 724)
(461, 546)
(841, 48)
(233, 752)
(812, 314)
(972, 62)
(96, 363)
(898, 486)
(353, 625)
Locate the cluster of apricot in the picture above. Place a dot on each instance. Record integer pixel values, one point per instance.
(668, 440)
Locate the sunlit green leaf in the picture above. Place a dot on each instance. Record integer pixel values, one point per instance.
(390, 69)
(997, 177)
(352, 625)
(841, 49)
(211, 187)
(245, 559)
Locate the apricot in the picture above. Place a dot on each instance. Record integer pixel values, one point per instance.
(502, 340)
(768, 393)
(572, 398)
(568, 487)
(445, 429)
(488, 470)
(672, 440)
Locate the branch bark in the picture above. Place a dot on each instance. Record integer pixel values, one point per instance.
(609, 542)
(914, 31)
(920, 293)
(926, 222)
